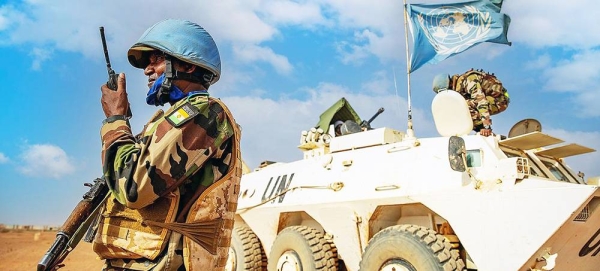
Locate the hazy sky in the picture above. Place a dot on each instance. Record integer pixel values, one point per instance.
(284, 62)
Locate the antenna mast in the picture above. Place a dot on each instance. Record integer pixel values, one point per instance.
(409, 132)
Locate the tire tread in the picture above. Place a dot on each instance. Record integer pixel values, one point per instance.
(323, 249)
(448, 258)
(254, 255)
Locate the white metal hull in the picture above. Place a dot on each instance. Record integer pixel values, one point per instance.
(503, 224)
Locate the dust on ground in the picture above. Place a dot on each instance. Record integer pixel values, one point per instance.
(22, 250)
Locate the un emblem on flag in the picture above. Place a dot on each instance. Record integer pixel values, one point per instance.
(453, 29)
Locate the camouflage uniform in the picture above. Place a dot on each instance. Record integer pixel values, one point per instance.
(178, 177)
(484, 93)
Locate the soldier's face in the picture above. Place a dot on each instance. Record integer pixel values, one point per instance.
(155, 67)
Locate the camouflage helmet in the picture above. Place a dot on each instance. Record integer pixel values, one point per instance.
(184, 40)
(441, 82)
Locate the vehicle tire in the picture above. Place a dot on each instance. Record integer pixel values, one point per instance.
(301, 248)
(410, 248)
(245, 252)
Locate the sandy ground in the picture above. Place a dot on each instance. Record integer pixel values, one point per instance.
(22, 250)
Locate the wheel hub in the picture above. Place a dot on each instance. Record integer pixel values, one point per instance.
(397, 265)
(231, 264)
(289, 261)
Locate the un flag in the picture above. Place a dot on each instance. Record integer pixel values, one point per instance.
(443, 30)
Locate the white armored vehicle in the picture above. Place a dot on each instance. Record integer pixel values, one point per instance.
(382, 199)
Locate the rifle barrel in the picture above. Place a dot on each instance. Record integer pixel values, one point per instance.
(50, 258)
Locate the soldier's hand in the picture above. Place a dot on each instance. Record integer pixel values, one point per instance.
(115, 102)
(485, 132)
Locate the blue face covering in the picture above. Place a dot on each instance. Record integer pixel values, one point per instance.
(175, 94)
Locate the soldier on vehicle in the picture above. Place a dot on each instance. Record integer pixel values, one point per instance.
(483, 92)
(337, 126)
(173, 186)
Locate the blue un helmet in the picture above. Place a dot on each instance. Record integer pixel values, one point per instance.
(181, 39)
(441, 82)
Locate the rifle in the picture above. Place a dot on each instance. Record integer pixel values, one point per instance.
(71, 231)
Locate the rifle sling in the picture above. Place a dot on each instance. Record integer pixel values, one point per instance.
(81, 231)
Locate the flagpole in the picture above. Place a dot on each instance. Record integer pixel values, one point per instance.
(410, 132)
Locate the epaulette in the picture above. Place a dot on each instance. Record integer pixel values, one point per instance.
(197, 97)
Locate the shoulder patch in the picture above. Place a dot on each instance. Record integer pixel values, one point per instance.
(182, 114)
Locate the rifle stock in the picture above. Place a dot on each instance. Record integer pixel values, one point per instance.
(64, 243)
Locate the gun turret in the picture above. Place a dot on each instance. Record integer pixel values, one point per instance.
(367, 124)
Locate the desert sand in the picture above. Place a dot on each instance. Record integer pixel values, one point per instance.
(22, 250)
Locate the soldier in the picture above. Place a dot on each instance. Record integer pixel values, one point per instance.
(483, 92)
(174, 186)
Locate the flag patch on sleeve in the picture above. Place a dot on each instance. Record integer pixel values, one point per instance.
(182, 114)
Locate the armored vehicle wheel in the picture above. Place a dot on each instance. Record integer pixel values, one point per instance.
(245, 252)
(409, 248)
(300, 248)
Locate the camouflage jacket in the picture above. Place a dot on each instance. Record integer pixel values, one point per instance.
(172, 147)
(184, 157)
(483, 91)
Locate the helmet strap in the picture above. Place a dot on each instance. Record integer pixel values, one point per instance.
(187, 76)
(163, 94)
(199, 75)
(165, 88)
(172, 74)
